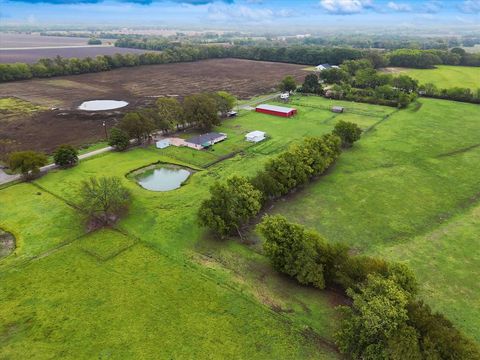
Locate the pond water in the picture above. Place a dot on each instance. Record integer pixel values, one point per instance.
(163, 179)
(98, 105)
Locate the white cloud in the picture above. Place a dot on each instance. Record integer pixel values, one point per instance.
(470, 6)
(218, 11)
(400, 7)
(345, 6)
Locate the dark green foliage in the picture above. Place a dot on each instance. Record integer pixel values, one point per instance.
(201, 110)
(347, 131)
(119, 139)
(374, 327)
(65, 155)
(439, 339)
(230, 206)
(103, 200)
(226, 102)
(170, 114)
(137, 125)
(288, 84)
(334, 76)
(455, 93)
(414, 58)
(293, 250)
(94, 41)
(352, 66)
(370, 78)
(28, 163)
(297, 165)
(311, 85)
(405, 83)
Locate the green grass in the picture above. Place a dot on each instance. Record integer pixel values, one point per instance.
(12, 105)
(445, 76)
(407, 177)
(158, 286)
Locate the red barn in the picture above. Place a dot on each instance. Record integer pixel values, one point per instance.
(276, 110)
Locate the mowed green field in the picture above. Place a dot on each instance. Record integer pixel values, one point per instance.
(158, 286)
(446, 76)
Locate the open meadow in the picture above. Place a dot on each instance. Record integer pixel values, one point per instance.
(408, 191)
(444, 76)
(45, 129)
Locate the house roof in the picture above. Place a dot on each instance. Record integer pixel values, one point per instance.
(205, 139)
(275, 108)
(326, 66)
(255, 133)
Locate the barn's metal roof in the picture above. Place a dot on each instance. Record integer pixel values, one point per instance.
(275, 108)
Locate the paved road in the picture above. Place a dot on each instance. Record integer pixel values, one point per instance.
(5, 178)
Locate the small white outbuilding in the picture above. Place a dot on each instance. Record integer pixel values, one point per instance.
(162, 144)
(255, 136)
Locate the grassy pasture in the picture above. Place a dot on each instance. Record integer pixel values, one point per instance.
(406, 178)
(159, 286)
(447, 76)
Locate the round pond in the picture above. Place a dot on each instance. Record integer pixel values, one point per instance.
(98, 105)
(164, 178)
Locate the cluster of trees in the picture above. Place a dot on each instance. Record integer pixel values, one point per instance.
(155, 43)
(174, 52)
(385, 320)
(199, 110)
(357, 80)
(427, 59)
(94, 41)
(233, 204)
(455, 93)
(60, 66)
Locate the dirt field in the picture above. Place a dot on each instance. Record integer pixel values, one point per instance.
(45, 129)
(14, 40)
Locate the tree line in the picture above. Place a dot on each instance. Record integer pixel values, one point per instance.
(232, 205)
(386, 319)
(306, 55)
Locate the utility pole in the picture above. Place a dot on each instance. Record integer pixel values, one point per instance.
(105, 128)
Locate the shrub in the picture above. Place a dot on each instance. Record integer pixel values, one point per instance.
(347, 131)
(118, 139)
(28, 163)
(65, 155)
(288, 84)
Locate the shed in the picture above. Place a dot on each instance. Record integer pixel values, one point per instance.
(205, 140)
(162, 144)
(255, 136)
(285, 96)
(276, 110)
(338, 109)
(232, 114)
(322, 67)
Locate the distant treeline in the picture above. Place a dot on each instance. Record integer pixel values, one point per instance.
(305, 55)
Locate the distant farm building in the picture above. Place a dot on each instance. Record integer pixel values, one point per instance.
(255, 136)
(276, 110)
(322, 67)
(338, 109)
(204, 141)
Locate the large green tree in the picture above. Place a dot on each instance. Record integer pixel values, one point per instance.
(231, 205)
(293, 250)
(103, 199)
(170, 113)
(375, 326)
(347, 131)
(28, 163)
(288, 84)
(311, 85)
(65, 155)
(119, 139)
(137, 126)
(201, 110)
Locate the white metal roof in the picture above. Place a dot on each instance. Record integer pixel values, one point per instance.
(255, 133)
(274, 108)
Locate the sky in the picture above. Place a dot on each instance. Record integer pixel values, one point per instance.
(293, 15)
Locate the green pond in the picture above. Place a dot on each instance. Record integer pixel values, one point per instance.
(163, 178)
